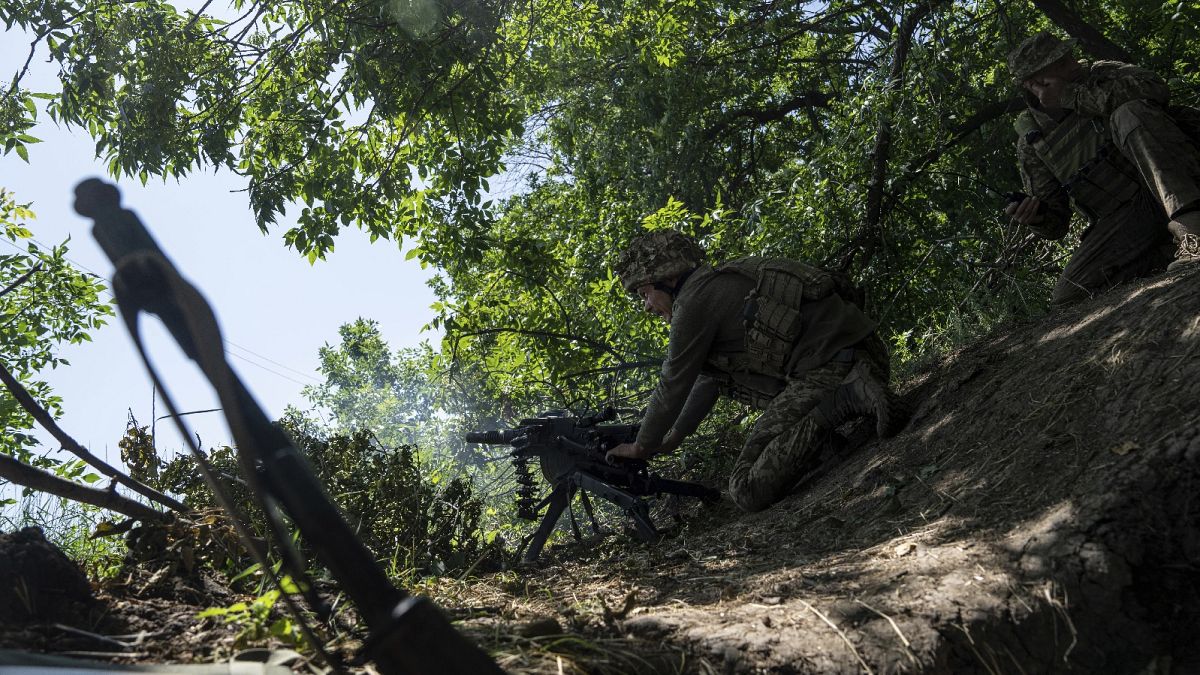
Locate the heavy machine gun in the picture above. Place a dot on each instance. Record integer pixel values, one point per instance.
(408, 634)
(570, 451)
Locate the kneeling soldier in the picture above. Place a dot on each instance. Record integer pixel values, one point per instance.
(771, 332)
(1102, 138)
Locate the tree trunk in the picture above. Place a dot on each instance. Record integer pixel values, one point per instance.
(870, 235)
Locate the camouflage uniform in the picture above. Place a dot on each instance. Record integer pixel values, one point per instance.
(708, 355)
(1116, 156)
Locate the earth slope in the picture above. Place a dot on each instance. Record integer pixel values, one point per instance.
(1040, 513)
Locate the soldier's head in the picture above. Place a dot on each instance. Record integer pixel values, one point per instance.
(653, 266)
(1043, 55)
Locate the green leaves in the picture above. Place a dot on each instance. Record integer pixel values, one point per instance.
(44, 302)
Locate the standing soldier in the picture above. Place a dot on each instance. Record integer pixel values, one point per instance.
(773, 333)
(1098, 137)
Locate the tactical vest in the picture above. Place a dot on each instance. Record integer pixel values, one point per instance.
(1081, 155)
(773, 322)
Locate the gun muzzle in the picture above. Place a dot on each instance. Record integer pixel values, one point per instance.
(496, 437)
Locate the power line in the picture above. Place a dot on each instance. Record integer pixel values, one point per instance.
(231, 343)
(273, 372)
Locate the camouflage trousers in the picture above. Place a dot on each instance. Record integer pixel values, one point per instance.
(786, 439)
(1132, 241)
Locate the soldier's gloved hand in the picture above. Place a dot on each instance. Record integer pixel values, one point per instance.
(632, 450)
(1026, 212)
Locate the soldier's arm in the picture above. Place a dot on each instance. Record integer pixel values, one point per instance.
(699, 403)
(692, 335)
(1112, 84)
(1040, 182)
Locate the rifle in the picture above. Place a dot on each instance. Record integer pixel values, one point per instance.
(570, 451)
(408, 633)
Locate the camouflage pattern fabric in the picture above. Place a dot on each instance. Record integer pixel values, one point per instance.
(656, 256)
(786, 439)
(1130, 240)
(1037, 52)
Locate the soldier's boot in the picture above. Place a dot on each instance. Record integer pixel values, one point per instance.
(861, 394)
(1186, 228)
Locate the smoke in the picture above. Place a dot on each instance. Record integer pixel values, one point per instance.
(418, 17)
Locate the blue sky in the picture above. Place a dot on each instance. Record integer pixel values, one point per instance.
(275, 309)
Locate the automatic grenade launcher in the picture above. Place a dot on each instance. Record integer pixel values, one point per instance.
(570, 451)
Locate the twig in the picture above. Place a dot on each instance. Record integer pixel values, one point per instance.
(43, 417)
(89, 634)
(20, 280)
(907, 645)
(842, 635)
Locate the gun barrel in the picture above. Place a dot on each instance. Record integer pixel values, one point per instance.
(495, 437)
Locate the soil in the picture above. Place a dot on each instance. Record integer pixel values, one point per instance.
(1038, 514)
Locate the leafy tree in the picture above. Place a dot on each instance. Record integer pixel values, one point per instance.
(871, 136)
(44, 303)
(366, 388)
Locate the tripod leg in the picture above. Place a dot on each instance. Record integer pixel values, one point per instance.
(641, 521)
(571, 513)
(587, 506)
(560, 497)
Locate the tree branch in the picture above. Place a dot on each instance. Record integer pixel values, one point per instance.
(808, 99)
(1092, 40)
(31, 477)
(43, 417)
(972, 124)
(23, 278)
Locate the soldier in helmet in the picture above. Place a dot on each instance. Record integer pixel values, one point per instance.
(777, 334)
(1098, 137)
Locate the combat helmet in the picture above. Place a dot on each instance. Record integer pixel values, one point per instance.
(1037, 52)
(654, 257)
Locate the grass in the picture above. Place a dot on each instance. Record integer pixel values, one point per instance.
(70, 526)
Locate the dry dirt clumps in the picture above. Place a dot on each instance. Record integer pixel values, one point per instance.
(1041, 513)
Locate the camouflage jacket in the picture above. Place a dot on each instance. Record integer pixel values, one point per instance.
(707, 349)
(1106, 86)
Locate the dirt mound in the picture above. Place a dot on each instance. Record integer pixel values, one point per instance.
(39, 581)
(1038, 514)
(147, 614)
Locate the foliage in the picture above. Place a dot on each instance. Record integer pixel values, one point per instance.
(413, 515)
(872, 136)
(138, 451)
(257, 622)
(310, 101)
(366, 388)
(419, 516)
(44, 303)
(70, 526)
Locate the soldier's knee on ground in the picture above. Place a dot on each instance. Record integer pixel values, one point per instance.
(1068, 292)
(749, 501)
(743, 494)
